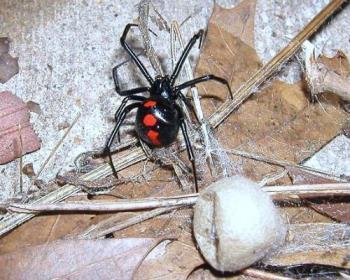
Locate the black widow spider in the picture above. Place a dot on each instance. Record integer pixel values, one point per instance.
(158, 117)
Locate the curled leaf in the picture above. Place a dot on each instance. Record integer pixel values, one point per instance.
(16, 133)
(8, 64)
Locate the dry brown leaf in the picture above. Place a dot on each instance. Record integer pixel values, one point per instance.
(336, 208)
(43, 229)
(278, 122)
(17, 136)
(78, 259)
(226, 56)
(334, 257)
(175, 260)
(239, 21)
(300, 176)
(280, 128)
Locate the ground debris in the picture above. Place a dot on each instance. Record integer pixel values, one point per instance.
(8, 64)
(17, 136)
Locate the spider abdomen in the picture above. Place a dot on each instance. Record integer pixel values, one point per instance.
(157, 122)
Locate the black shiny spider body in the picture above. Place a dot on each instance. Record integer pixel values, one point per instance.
(158, 121)
(158, 117)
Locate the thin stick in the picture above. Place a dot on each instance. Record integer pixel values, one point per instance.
(284, 163)
(195, 96)
(143, 9)
(20, 159)
(113, 224)
(320, 78)
(274, 64)
(57, 146)
(260, 274)
(124, 205)
(310, 189)
(278, 192)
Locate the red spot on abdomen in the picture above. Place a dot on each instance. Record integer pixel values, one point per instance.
(149, 120)
(153, 136)
(150, 103)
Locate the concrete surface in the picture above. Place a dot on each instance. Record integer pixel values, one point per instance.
(278, 21)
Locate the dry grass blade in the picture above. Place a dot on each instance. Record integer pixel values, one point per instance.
(114, 224)
(284, 163)
(259, 274)
(124, 205)
(277, 192)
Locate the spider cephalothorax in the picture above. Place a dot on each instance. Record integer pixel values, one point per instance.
(158, 117)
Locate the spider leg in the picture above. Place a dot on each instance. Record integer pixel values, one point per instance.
(119, 121)
(204, 79)
(122, 106)
(187, 103)
(184, 55)
(185, 100)
(125, 92)
(189, 151)
(133, 55)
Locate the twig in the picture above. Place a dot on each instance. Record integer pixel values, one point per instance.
(181, 176)
(20, 159)
(57, 146)
(113, 224)
(270, 178)
(284, 163)
(320, 78)
(11, 221)
(277, 192)
(309, 189)
(92, 187)
(143, 9)
(260, 274)
(124, 205)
